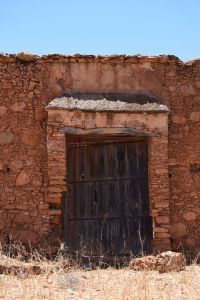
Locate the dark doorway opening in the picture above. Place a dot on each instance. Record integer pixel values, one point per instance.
(107, 199)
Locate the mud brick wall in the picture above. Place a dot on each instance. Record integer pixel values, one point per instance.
(28, 83)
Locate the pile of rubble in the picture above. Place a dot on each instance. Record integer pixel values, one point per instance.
(165, 262)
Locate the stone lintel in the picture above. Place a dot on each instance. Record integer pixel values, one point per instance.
(107, 131)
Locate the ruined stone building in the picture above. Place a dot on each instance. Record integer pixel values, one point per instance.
(101, 152)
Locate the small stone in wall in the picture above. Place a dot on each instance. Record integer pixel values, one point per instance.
(178, 119)
(32, 85)
(89, 123)
(178, 230)
(172, 74)
(16, 164)
(197, 83)
(195, 116)
(6, 138)
(17, 107)
(21, 219)
(22, 179)
(190, 216)
(3, 110)
(1, 166)
(26, 56)
(147, 65)
(30, 95)
(162, 219)
(30, 137)
(190, 242)
(172, 88)
(24, 236)
(40, 115)
(187, 90)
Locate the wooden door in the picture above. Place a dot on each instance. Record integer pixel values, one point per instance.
(108, 210)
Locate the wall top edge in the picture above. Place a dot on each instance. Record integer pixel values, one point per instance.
(24, 57)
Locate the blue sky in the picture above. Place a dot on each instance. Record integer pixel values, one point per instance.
(148, 27)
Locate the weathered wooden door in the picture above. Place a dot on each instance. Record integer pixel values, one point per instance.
(108, 210)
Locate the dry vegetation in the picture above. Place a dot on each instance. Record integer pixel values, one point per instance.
(63, 278)
(102, 284)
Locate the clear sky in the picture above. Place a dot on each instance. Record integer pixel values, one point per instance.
(148, 27)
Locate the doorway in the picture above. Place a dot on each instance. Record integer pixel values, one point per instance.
(108, 198)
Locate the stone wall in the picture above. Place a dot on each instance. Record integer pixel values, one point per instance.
(153, 123)
(28, 83)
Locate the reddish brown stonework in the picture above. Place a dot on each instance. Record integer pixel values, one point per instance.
(33, 149)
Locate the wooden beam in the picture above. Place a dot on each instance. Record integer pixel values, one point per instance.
(107, 131)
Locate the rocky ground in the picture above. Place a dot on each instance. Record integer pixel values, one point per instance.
(103, 284)
(59, 279)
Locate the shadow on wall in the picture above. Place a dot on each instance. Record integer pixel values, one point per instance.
(140, 97)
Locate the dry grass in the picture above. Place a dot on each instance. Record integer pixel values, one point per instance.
(103, 284)
(62, 280)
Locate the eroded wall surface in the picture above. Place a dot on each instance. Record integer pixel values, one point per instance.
(29, 83)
